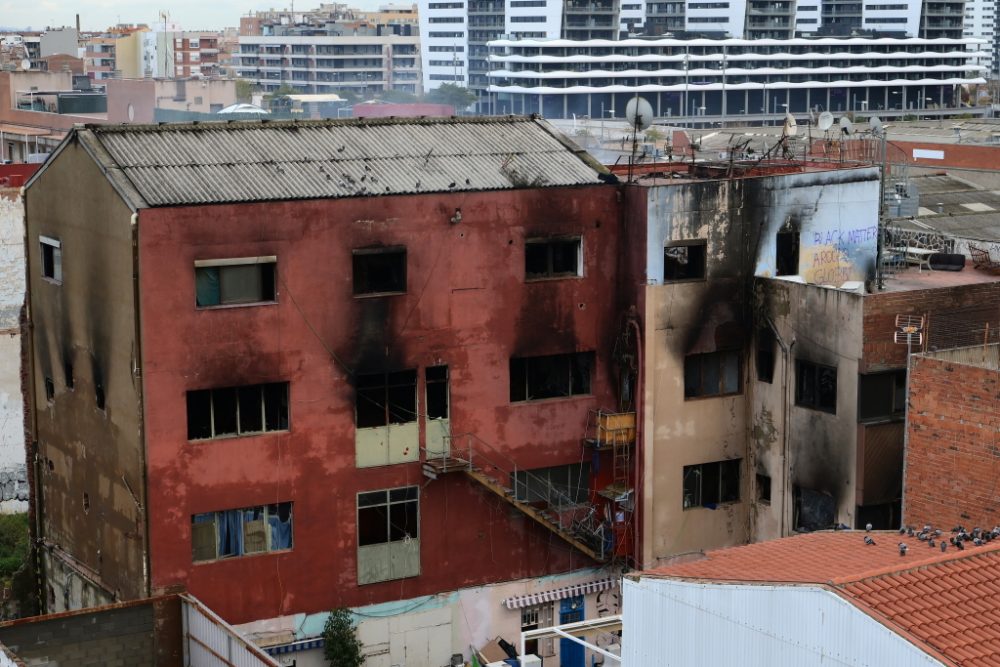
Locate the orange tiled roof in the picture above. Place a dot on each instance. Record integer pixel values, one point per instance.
(949, 603)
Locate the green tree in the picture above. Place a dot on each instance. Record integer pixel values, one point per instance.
(244, 90)
(400, 96)
(342, 648)
(653, 135)
(456, 96)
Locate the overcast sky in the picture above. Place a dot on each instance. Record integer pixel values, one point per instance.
(100, 14)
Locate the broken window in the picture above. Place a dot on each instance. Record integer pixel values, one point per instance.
(529, 621)
(816, 386)
(241, 532)
(764, 488)
(684, 260)
(881, 396)
(99, 395)
(712, 374)
(51, 258)
(50, 389)
(68, 374)
(556, 485)
(787, 252)
(712, 484)
(386, 398)
(552, 258)
(226, 282)
(552, 376)
(236, 411)
(388, 534)
(379, 271)
(766, 342)
(437, 392)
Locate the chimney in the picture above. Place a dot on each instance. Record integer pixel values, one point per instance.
(78, 24)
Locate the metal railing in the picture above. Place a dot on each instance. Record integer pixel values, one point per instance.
(570, 515)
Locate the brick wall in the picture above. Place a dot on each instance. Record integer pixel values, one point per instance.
(880, 310)
(106, 638)
(952, 473)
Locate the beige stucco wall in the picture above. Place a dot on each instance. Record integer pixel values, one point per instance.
(823, 326)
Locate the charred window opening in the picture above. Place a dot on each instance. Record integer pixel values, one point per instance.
(684, 260)
(882, 396)
(813, 510)
(712, 374)
(816, 386)
(228, 282)
(552, 258)
(712, 484)
(552, 376)
(241, 532)
(379, 271)
(51, 258)
(437, 392)
(787, 252)
(50, 389)
(99, 395)
(388, 534)
(388, 516)
(883, 516)
(68, 375)
(764, 489)
(766, 342)
(386, 398)
(556, 485)
(86, 501)
(237, 411)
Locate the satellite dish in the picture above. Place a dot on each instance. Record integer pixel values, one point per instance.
(825, 121)
(791, 127)
(639, 113)
(876, 124)
(846, 126)
(25, 64)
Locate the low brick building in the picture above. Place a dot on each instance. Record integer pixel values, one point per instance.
(953, 438)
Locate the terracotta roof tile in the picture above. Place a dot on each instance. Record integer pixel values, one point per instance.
(947, 602)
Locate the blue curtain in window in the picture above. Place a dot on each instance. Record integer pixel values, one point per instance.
(281, 531)
(207, 288)
(231, 533)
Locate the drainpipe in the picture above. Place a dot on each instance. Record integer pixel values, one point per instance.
(639, 448)
(137, 376)
(31, 444)
(786, 352)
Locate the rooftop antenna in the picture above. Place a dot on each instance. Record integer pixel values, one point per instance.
(875, 123)
(825, 121)
(639, 114)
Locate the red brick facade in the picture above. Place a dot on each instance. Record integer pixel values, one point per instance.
(882, 353)
(953, 448)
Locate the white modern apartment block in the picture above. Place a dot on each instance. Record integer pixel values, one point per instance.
(326, 64)
(981, 22)
(733, 77)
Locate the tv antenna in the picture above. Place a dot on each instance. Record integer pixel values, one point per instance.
(639, 115)
(875, 123)
(825, 121)
(846, 126)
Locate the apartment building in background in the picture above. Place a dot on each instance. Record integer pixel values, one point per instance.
(734, 78)
(367, 64)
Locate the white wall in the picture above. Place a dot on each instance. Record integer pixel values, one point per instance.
(669, 622)
(13, 480)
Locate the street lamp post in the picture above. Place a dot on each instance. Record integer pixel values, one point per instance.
(723, 87)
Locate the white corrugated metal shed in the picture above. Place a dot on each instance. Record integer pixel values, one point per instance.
(670, 622)
(250, 161)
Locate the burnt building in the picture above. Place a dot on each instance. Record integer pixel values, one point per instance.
(290, 366)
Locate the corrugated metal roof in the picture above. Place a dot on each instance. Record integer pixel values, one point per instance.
(247, 161)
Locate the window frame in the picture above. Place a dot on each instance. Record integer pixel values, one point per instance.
(358, 253)
(700, 502)
(233, 262)
(898, 396)
(550, 242)
(687, 243)
(387, 386)
(589, 357)
(390, 549)
(266, 513)
(800, 399)
(240, 434)
(51, 268)
(722, 355)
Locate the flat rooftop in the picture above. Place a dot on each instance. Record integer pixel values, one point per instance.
(914, 278)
